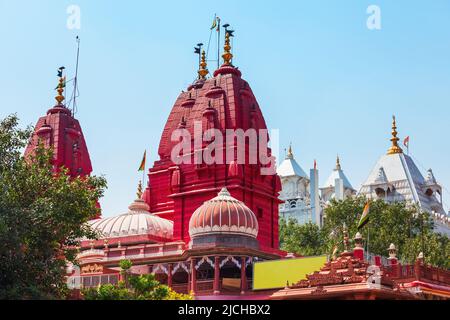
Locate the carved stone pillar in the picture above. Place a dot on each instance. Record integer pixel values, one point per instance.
(169, 276)
(243, 275)
(193, 277)
(216, 286)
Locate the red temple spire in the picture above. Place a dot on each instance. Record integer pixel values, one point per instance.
(60, 131)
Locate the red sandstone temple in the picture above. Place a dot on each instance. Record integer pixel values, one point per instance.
(200, 227)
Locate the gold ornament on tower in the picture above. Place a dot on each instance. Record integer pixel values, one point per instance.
(203, 71)
(394, 148)
(338, 163)
(227, 55)
(139, 190)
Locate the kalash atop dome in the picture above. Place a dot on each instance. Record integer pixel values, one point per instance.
(196, 221)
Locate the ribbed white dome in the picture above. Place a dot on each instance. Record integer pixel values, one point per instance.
(137, 221)
(223, 214)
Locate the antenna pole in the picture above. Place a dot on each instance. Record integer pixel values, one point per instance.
(76, 77)
(218, 42)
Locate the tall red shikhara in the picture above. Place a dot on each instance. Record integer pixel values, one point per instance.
(176, 191)
(60, 131)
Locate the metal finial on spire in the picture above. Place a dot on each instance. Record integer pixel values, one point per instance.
(338, 163)
(61, 85)
(394, 148)
(139, 190)
(227, 55)
(290, 154)
(198, 51)
(203, 71)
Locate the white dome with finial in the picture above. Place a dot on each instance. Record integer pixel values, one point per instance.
(137, 221)
(223, 214)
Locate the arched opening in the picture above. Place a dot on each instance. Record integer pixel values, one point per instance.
(230, 274)
(205, 275)
(292, 204)
(381, 193)
(429, 192)
(161, 273)
(180, 278)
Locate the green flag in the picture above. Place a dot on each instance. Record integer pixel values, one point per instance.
(214, 24)
(365, 216)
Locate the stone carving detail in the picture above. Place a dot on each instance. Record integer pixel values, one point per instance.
(319, 290)
(345, 269)
(92, 268)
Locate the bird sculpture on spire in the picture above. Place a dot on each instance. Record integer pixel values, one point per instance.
(227, 55)
(61, 85)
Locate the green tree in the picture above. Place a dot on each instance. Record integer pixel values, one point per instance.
(138, 287)
(43, 213)
(306, 239)
(409, 228)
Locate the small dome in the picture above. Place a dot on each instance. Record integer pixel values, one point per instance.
(223, 214)
(137, 221)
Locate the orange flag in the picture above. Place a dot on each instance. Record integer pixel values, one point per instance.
(142, 166)
(406, 142)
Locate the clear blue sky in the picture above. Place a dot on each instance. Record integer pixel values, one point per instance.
(327, 82)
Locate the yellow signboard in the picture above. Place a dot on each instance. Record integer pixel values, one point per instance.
(275, 274)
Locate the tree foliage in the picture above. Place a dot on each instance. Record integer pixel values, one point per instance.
(43, 213)
(135, 287)
(306, 239)
(409, 228)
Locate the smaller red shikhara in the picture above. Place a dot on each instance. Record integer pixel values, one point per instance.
(62, 132)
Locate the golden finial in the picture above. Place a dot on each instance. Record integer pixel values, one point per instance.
(394, 148)
(227, 55)
(203, 71)
(61, 85)
(139, 190)
(338, 163)
(290, 154)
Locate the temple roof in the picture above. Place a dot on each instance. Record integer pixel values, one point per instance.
(289, 167)
(137, 221)
(398, 176)
(62, 132)
(223, 215)
(401, 172)
(337, 173)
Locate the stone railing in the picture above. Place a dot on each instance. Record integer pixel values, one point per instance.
(205, 285)
(417, 272)
(181, 288)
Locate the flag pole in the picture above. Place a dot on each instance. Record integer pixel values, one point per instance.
(368, 238)
(76, 78)
(143, 176)
(218, 42)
